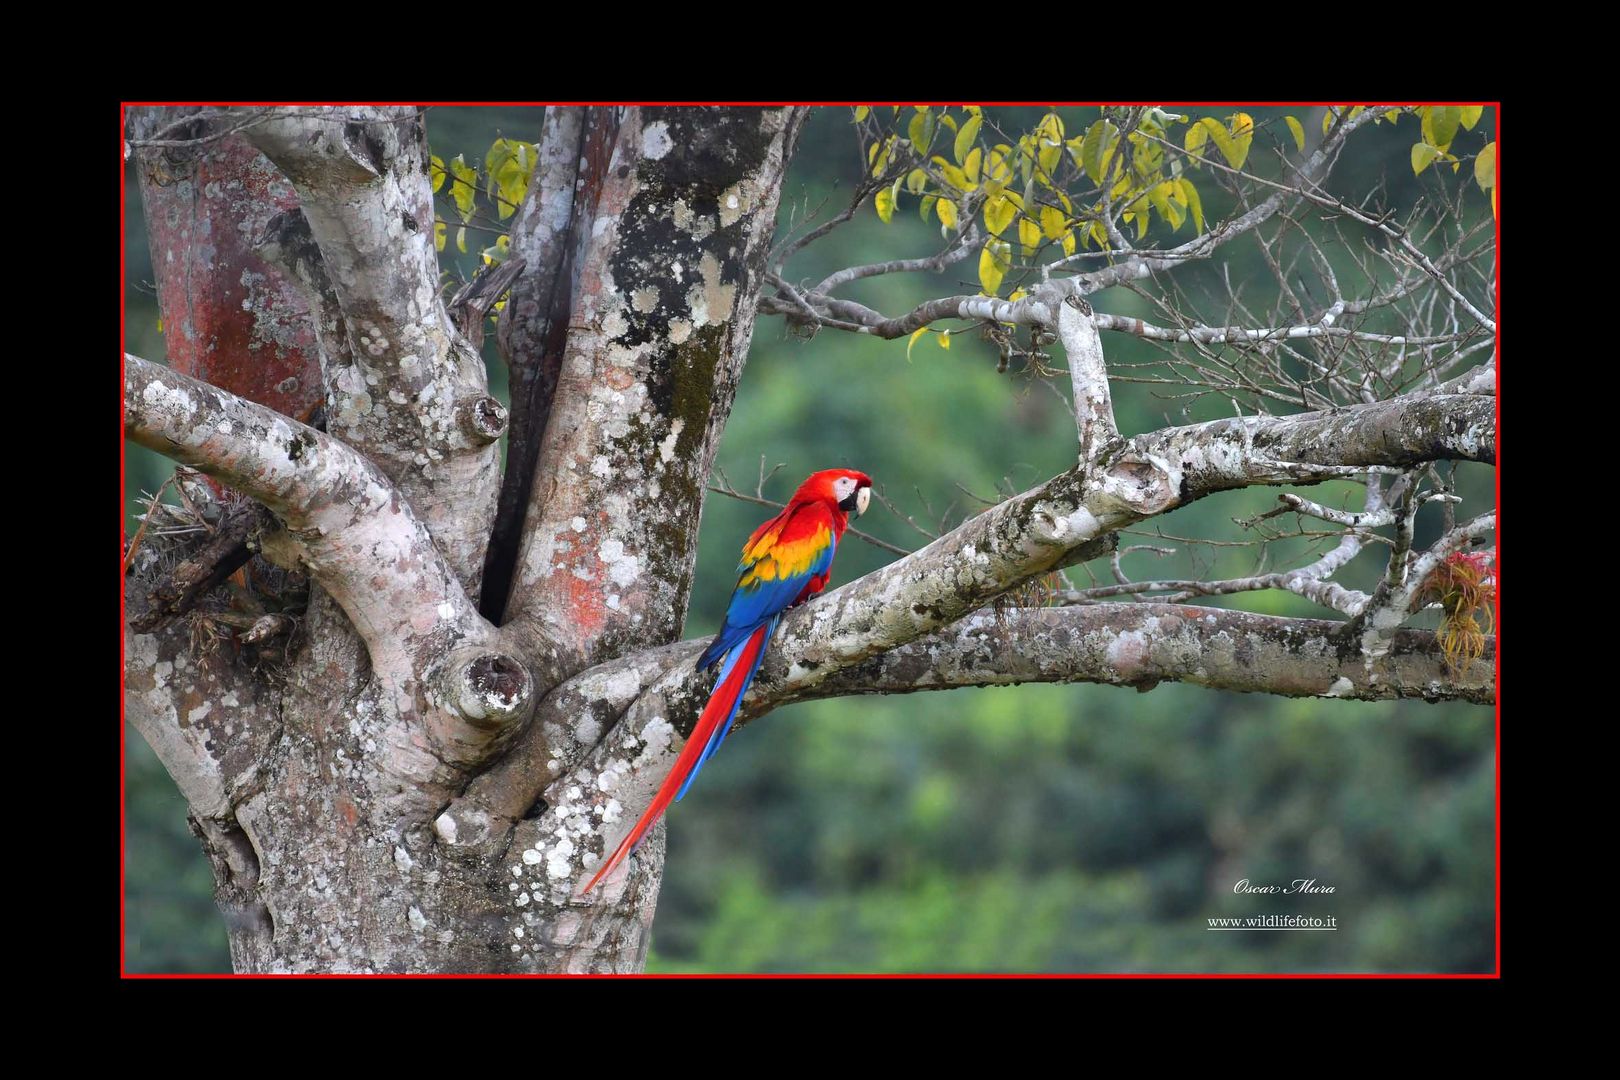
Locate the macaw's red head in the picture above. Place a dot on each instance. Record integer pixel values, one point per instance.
(846, 489)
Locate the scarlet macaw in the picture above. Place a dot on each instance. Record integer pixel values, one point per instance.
(786, 561)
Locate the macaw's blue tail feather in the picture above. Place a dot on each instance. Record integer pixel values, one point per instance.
(751, 652)
(706, 737)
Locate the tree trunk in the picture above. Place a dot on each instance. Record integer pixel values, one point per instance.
(313, 795)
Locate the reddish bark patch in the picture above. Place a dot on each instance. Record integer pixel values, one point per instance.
(229, 317)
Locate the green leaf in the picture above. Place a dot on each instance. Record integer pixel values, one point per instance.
(1423, 156)
(927, 205)
(1485, 168)
(461, 239)
(1099, 137)
(921, 130)
(884, 202)
(464, 187)
(1471, 115)
(966, 137)
(1440, 125)
(916, 180)
(1298, 131)
(912, 340)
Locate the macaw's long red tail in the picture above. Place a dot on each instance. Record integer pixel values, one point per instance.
(735, 676)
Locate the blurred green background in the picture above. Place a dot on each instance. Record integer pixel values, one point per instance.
(1033, 828)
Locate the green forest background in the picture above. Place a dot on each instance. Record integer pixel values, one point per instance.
(1032, 828)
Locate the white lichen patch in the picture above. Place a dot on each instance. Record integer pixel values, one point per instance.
(666, 448)
(532, 857)
(577, 524)
(735, 201)
(623, 568)
(711, 301)
(1342, 687)
(417, 919)
(644, 299)
(655, 141)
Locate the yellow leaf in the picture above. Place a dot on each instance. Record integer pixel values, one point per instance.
(998, 214)
(1194, 141)
(994, 261)
(1471, 115)
(1029, 236)
(1189, 195)
(1393, 115)
(1242, 137)
(861, 112)
(1298, 131)
(971, 166)
(436, 171)
(464, 186)
(438, 235)
(1052, 222)
(916, 180)
(1485, 169)
(913, 340)
(1423, 155)
(884, 202)
(947, 213)
(1068, 242)
(944, 340)
(461, 239)
(954, 177)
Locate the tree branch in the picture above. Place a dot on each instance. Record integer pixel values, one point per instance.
(362, 179)
(348, 527)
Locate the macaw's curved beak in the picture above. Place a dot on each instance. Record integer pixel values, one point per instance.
(857, 501)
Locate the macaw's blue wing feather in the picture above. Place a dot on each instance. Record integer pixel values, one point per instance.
(771, 580)
(749, 653)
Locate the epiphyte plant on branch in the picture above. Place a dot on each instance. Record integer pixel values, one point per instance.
(478, 673)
